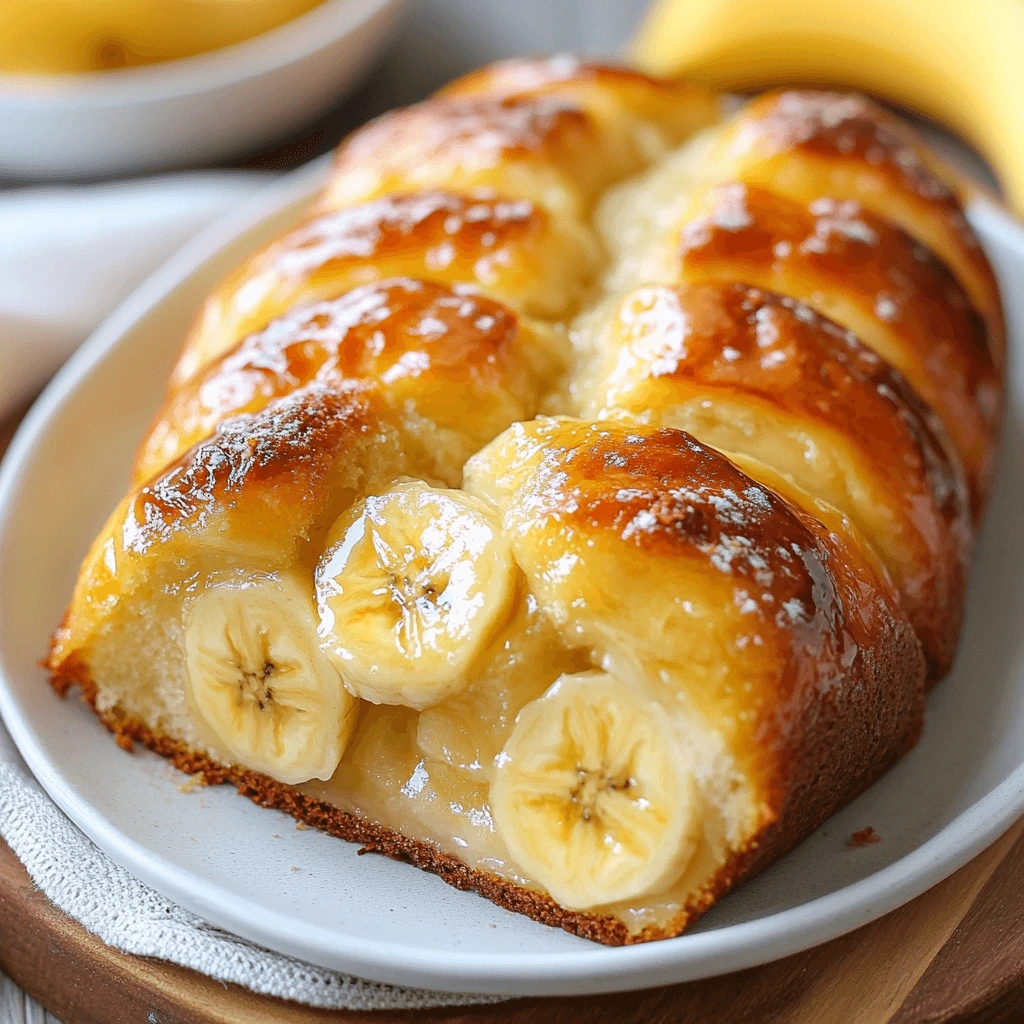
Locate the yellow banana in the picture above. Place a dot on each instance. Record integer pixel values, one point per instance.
(958, 61)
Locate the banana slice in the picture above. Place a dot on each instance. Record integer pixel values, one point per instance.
(413, 586)
(258, 679)
(593, 794)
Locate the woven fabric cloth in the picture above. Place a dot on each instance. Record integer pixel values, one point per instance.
(124, 913)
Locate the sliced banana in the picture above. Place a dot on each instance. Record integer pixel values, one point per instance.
(413, 586)
(593, 795)
(258, 679)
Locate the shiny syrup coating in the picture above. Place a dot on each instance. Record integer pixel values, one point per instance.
(675, 106)
(509, 248)
(653, 512)
(480, 240)
(545, 150)
(456, 355)
(285, 447)
(684, 344)
(813, 145)
(250, 494)
(872, 277)
(823, 691)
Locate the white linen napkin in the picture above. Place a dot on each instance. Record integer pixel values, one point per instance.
(69, 255)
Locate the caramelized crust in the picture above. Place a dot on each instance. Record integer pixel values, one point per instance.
(812, 145)
(442, 356)
(872, 278)
(764, 376)
(255, 492)
(512, 250)
(663, 112)
(559, 140)
(541, 150)
(659, 551)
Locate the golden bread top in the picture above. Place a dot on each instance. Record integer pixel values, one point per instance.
(511, 250)
(810, 486)
(673, 343)
(810, 144)
(874, 279)
(444, 354)
(705, 357)
(661, 553)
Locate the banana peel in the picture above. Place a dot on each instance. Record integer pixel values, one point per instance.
(960, 62)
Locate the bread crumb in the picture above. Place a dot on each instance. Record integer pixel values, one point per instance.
(275, 836)
(301, 826)
(293, 868)
(863, 837)
(192, 783)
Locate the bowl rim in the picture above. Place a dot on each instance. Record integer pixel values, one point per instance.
(601, 969)
(285, 44)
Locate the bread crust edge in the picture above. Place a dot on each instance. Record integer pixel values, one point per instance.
(765, 848)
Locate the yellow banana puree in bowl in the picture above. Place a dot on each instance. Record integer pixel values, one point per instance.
(72, 36)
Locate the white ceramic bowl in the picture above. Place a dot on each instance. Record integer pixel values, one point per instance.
(193, 110)
(215, 852)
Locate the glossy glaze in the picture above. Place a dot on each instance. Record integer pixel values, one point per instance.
(813, 145)
(660, 553)
(669, 109)
(254, 493)
(559, 141)
(759, 619)
(511, 250)
(763, 375)
(544, 150)
(456, 360)
(873, 278)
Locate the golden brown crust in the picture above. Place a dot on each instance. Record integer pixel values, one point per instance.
(679, 344)
(452, 356)
(521, 148)
(567, 134)
(676, 108)
(814, 145)
(394, 337)
(257, 488)
(510, 249)
(610, 521)
(873, 278)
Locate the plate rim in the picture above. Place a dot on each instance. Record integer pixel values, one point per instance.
(589, 970)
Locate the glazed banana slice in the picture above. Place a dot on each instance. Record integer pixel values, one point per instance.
(413, 586)
(258, 679)
(593, 794)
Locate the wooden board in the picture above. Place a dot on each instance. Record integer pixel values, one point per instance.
(953, 956)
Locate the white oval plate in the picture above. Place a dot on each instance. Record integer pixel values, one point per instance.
(232, 863)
